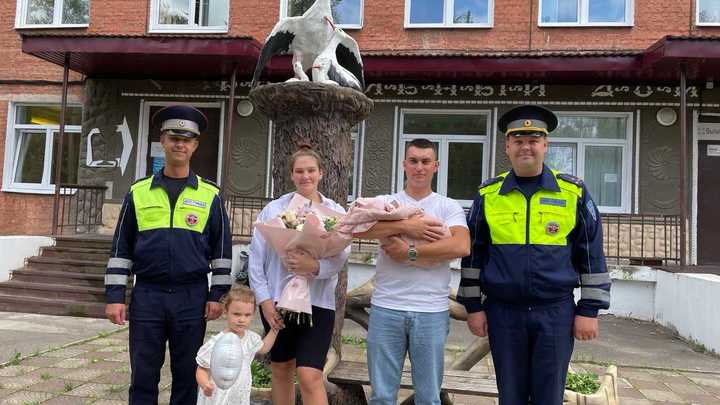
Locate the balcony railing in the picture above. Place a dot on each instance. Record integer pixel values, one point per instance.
(242, 214)
(79, 209)
(637, 239)
(642, 239)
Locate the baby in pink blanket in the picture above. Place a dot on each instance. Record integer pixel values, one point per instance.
(364, 213)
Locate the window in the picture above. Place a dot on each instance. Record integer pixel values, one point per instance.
(595, 147)
(448, 13)
(461, 138)
(586, 13)
(708, 12)
(31, 144)
(189, 15)
(52, 13)
(345, 13)
(353, 180)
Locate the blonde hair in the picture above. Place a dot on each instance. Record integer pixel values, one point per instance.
(304, 151)
(239, 293)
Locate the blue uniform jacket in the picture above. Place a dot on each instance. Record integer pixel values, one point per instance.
(170, 257)
(537, 274)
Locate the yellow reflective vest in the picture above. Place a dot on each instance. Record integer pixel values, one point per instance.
(536, 249)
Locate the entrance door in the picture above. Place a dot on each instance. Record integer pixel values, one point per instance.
(708, 196)
(205, 159)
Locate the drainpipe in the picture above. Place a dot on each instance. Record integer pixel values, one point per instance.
(58, 152)
(228, 135)
(683, 165)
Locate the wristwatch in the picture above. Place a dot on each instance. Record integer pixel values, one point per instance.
(412, 253)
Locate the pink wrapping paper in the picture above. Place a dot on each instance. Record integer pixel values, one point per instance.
(295, 297)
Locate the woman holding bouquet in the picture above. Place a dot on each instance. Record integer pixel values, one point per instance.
(300, 347)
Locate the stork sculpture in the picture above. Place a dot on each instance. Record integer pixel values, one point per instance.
(316, 43)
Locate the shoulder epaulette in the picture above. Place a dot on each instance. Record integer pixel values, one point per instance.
(570, 179)
(210, 183)
(143, 179)
(491, 181)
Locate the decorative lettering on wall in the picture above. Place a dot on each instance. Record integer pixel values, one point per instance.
(503, 90)
(610, 91)
(440, 90)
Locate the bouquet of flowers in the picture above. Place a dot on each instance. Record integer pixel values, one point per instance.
(364, 213)
(309, 227)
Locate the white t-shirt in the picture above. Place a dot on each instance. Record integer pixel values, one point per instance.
(239, 393)
(403, 287)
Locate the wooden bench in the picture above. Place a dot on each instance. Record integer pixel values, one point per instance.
(454, 381)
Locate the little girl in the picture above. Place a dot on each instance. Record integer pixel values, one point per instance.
(239, 309)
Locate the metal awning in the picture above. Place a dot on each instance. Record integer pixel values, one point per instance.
(699, 54)
(202, 57)
(196, 57)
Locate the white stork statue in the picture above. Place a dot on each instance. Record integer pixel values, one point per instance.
(315, 42)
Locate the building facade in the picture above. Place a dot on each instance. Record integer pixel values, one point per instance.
(444, 70)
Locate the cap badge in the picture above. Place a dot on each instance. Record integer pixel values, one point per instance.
(552, 228)
(181, 123)
(527, 123)
(191, 219)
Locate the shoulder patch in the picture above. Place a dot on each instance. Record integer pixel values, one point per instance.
(570, 179)
(491, 181)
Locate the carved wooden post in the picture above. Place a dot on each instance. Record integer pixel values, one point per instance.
(319, 116)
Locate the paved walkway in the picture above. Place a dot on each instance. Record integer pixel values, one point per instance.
(84, 361)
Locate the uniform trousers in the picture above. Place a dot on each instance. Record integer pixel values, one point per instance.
(531, 348)
(160, 317)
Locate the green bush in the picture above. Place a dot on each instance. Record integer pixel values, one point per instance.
(584, 383)
(261, 376)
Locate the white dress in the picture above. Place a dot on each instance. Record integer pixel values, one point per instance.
(239, 393)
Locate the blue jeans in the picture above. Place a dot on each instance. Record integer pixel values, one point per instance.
(393, 333)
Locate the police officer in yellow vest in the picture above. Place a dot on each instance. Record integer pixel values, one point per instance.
(172, 231)
(536, 235)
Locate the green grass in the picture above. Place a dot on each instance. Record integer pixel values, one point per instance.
(584, 383)
(45, 376)
(261, 376)
(354, 340)
(68, 387)
(116, 389)
(16, 358)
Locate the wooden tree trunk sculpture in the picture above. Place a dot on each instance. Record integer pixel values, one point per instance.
(319, 116)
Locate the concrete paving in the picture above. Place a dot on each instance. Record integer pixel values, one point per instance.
(88, 362)
(32, 333)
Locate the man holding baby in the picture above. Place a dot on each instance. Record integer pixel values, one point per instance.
(409, 313)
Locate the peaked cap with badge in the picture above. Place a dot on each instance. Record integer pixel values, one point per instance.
(181, 120)
(528, 120)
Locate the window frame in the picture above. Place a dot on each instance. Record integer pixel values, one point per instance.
(627, 154)
(584, 16)
(447, 17)
(21, 17)
(444, 140)
(12, 150)
(157, 28)
(697, 18)
(284, 8)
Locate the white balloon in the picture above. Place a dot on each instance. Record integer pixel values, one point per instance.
(226, 360)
